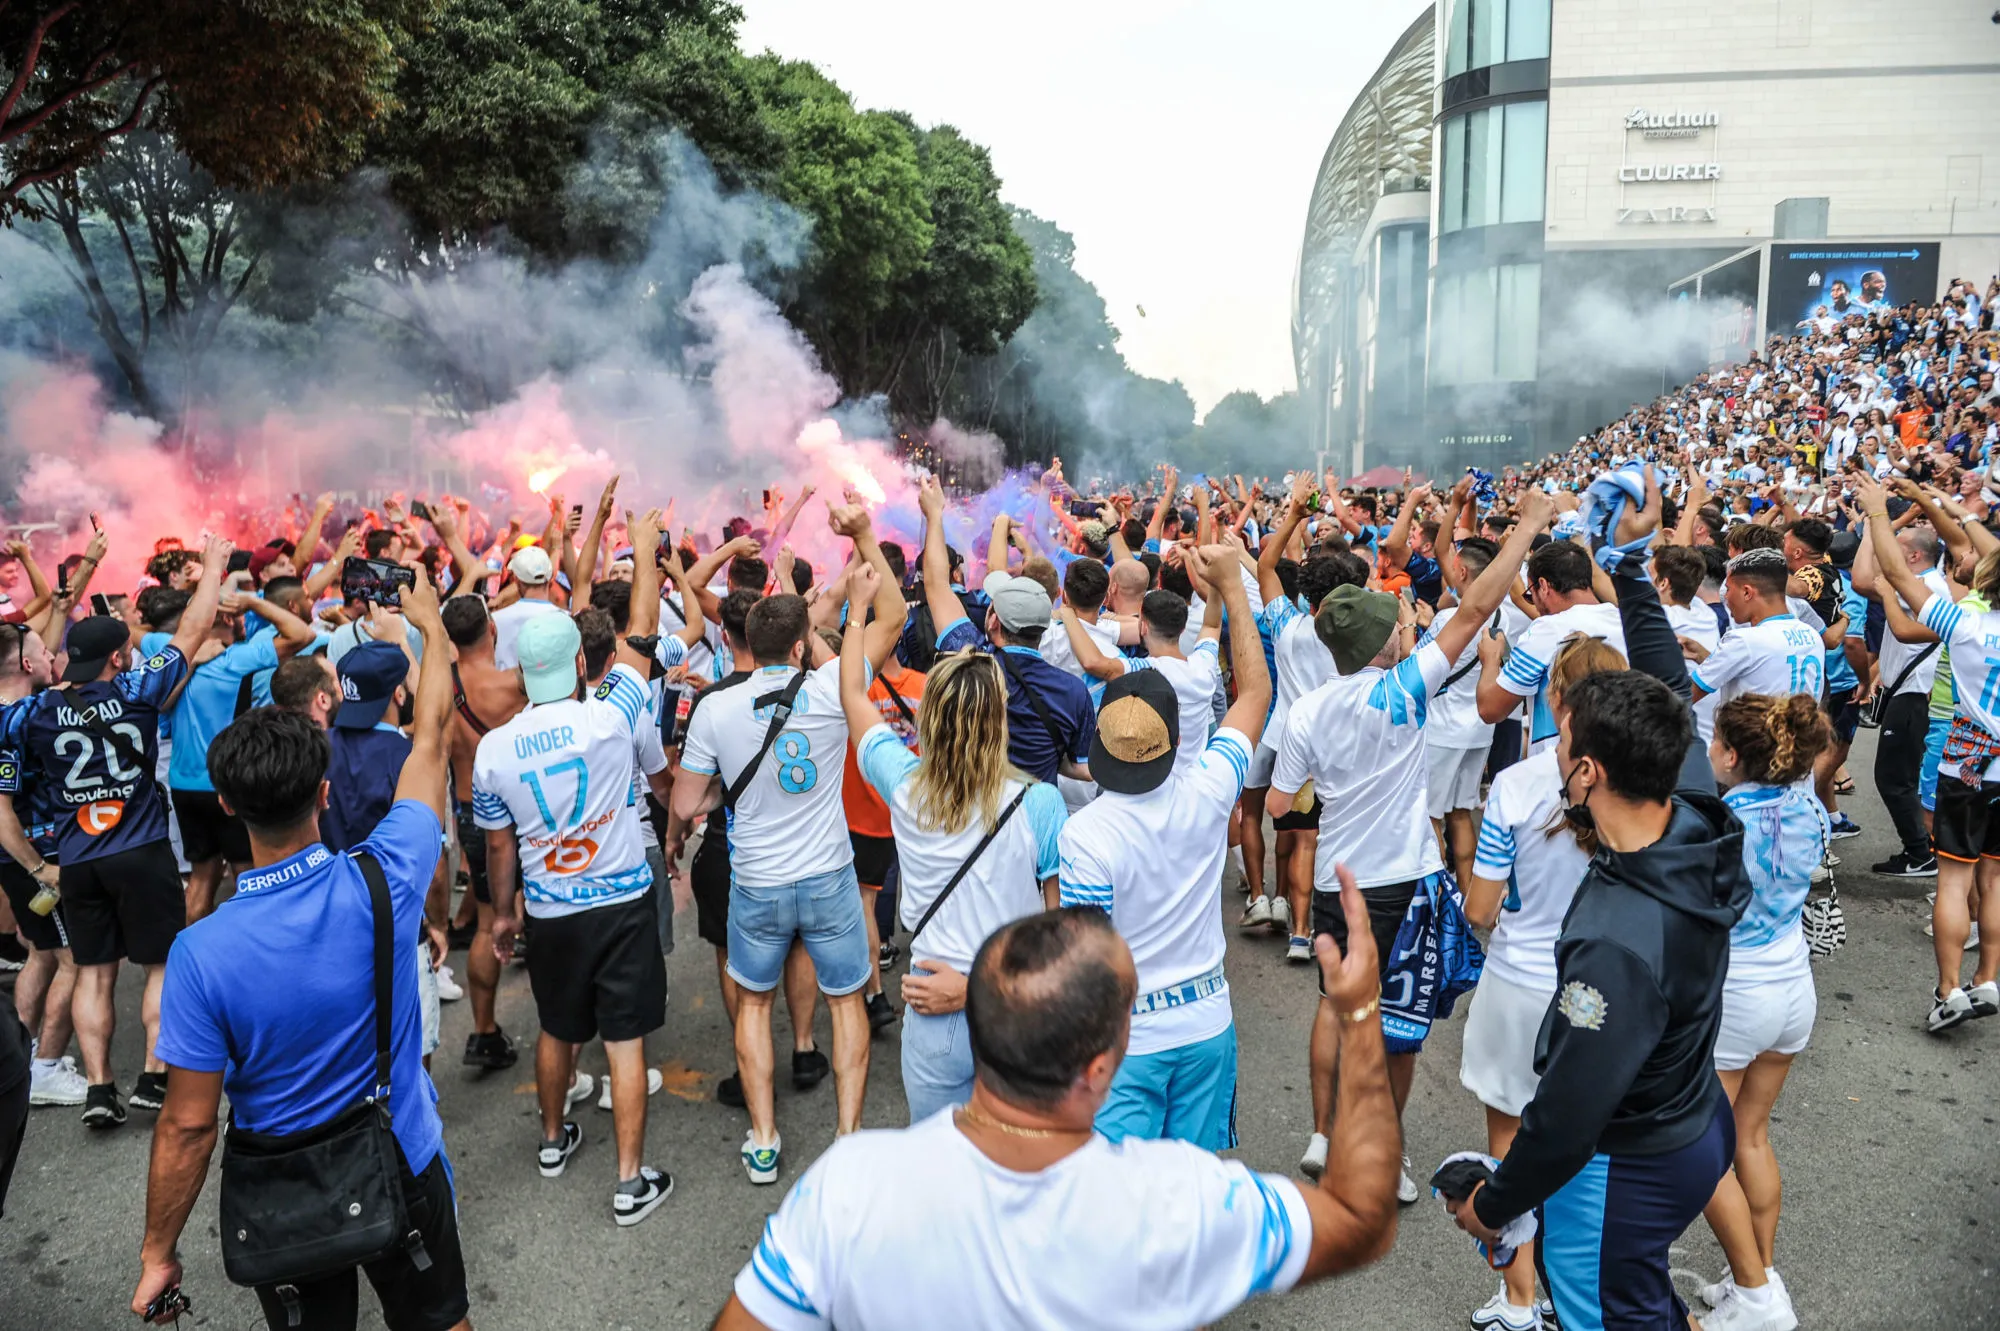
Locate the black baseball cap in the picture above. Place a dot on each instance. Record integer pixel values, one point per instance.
(91, 643)
(1138, 733)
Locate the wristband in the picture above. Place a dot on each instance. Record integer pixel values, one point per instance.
(1362, 1014)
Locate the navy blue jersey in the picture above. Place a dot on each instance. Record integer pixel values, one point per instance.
(34, 803)
(105, 803)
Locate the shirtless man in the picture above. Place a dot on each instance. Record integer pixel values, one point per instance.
(483, 697)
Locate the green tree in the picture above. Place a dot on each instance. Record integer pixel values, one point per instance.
(256, 92)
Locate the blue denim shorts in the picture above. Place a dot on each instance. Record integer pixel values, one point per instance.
(823, 911)
(937, 1062)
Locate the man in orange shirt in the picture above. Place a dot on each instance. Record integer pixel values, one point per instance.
(896, 693)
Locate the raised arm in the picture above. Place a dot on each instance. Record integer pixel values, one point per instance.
(697, 622)
(1888, 554)
(705, 569)
(471, 573)
(308, 543)
(1081, 645)
(852, 521)
(790, 516)
(1956, 543)
(329, 572)
(996, 544)
(38, 586)
(199, 616)
(643, 621)
(943, 602)
(854, 674)
(586, 563)
(1396, 546)
(1220, 568)
(1483, 597)
(429, 763)
(1268, 584)
(294, 634)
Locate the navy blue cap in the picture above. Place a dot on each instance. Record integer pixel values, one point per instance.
(369, 676)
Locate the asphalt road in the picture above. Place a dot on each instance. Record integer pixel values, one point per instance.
(1886, 1136)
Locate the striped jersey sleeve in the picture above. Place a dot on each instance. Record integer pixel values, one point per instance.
(1494, 858)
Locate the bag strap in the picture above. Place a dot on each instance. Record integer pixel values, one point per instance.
(384, 916)
(897, 698)
(1911, 668)
(781, 705)
(458, 700)
(1457, 675)
(244, 693)
(1020, 682)
(970, 860)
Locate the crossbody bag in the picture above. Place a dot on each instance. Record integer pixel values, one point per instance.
(1880, 706)
(300, 1206)
(1020, 681)
(966, 867)
(781, 704)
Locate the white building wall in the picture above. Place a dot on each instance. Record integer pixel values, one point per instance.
(1879, 108)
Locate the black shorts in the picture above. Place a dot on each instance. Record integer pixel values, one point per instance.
(207, 833)
(1844, 713)
(709, 877)
(44, 933)
(872, 857)
(1387, 905)
(128, 906)
(433, 1299)
(599, 972)
(472, 846)
(1299, 822)
(1965, 825)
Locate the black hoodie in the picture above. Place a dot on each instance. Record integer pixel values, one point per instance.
(1627, 1049)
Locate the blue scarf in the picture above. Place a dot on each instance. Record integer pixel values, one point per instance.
(1437, 958)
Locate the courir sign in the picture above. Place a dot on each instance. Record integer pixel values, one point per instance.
(1670, 124)
(1644, 172)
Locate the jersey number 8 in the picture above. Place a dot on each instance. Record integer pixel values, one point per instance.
(797, 773)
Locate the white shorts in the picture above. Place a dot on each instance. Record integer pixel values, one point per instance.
(1262, 763)
(427, 996)
(1454, 778)
(1764, 1016)
(1498, 1061)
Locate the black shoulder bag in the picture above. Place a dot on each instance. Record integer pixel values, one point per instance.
(966, 867)
(1880, 706)
(300, 1206)
(781, 704)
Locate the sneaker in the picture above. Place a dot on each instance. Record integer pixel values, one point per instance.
(729, 1091)
(887, 956)
(57, 1083)
(1497, 1312)
(637, 1198)
(1406, 1187)
(491, 1051)
(448, 986)
(1948, 1011)
(1844, 827)
(1720, 1292)
(1832, 861)
(1256, 913)
(1547, 1309)
(579, 1090)
(1764, 1309)
(1821, 875)
(761, 1162)
(809, 1069)
(554, 1156)
(1281, 915)
(101, 1107)
(1301, 949)
(1971, 935)
(1313, 1163)
(1985, 999)
(149, 1092)
(13, 956)
(881, 1013)
(1900, 865)
(654, 1081)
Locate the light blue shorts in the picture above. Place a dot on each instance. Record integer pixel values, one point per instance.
(823, 911)
(937, 1061)
(1934, 738)
(1188, 1094)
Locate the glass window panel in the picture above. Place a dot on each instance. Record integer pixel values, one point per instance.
(1524, 161)
(1477, 325)
(1489, 33)
(1527, 29)
(1455, 41)
(1483, 146)
(1518, 321)
(1452, 202)
(1443, 359)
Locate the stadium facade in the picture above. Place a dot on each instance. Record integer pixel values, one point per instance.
(1612, 195)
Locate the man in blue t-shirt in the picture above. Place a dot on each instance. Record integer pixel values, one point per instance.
(217, 692)
(368, 750)
(271, 999)
(94, 739)
(1050, 720)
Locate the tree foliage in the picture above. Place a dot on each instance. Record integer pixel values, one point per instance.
(255, 92)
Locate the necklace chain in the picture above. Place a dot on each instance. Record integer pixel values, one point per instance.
(984, 1120)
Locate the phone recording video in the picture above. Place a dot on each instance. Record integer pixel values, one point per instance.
(376, 581)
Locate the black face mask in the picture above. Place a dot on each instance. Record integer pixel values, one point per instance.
(1577, 814)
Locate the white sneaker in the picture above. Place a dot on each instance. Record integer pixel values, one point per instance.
(761, 1162)
(1719, 1293)
(1301, 949)
(579, 1090)
(57, 1083)
(1281, 915)
(1985, 999)
(1406, 1187)
(1948, 1011)
(1313, 1163)
(447, 986)
(653, 1083)
(1497, 1312)
(1765, 1309)
(1257, 912)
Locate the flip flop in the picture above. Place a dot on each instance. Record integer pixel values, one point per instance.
(1844, 787)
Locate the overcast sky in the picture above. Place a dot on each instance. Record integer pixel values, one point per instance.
(1176, 139)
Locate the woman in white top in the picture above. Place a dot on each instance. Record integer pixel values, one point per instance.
(1526, 871)
(944, 805)
(1763, 755)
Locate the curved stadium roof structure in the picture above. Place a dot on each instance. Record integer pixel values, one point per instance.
(1383, 146)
